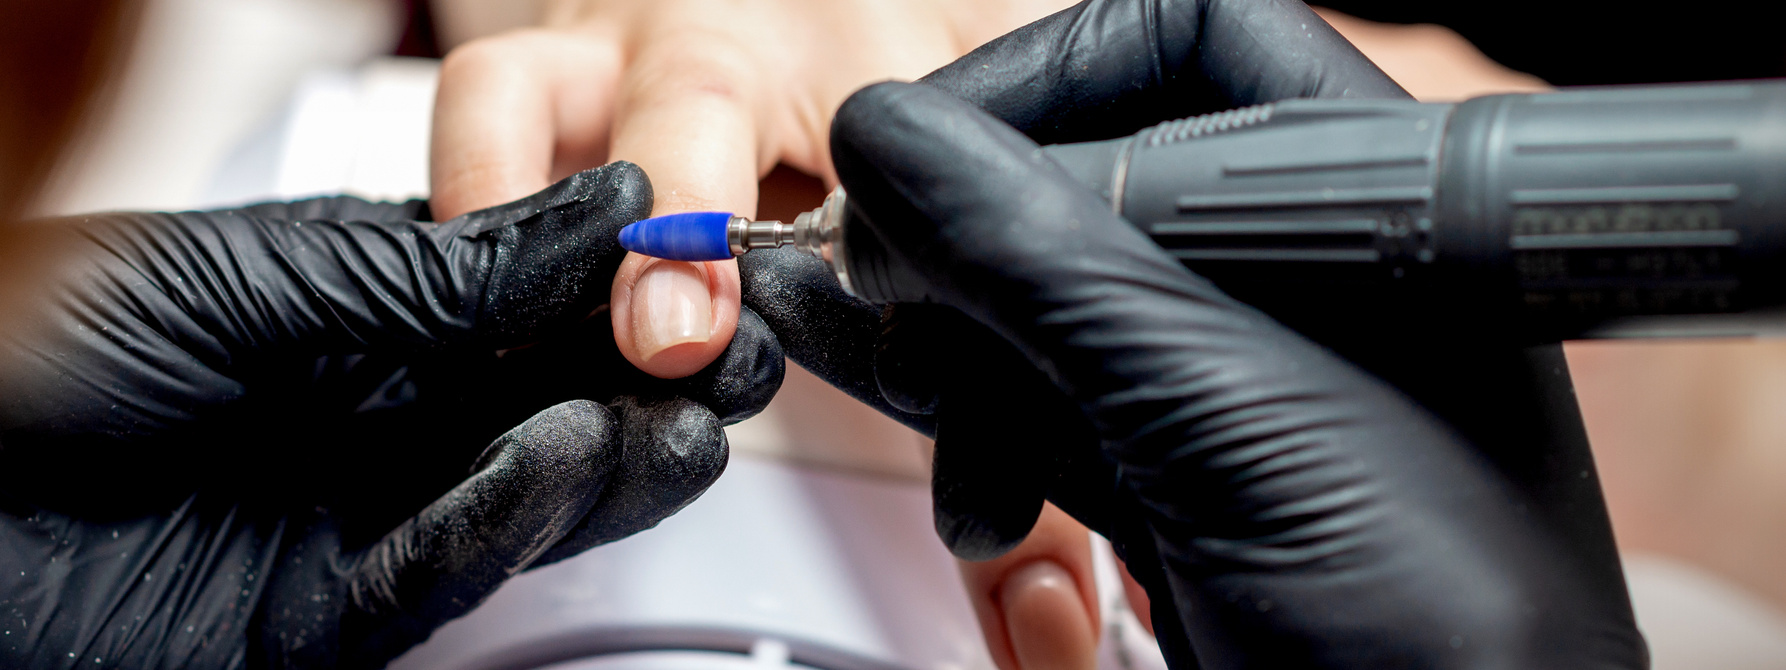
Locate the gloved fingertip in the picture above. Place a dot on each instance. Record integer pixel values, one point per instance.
(632, 187)
(905, 362)
(976, 538)
(976, 520)
(746, 376)
(621, 186)
(675, 449)
(569, 444)
(870, 105)
(550, 258)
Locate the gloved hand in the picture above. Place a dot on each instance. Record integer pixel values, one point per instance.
(240, 438)
(1299, 512)
(1007, 436)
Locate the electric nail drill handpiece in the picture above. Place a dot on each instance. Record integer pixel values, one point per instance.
(1577, 206)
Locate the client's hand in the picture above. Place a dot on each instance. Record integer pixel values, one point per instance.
(707, 97)
(242, 437)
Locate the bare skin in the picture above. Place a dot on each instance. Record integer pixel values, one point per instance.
(1688, 436)
(1036, 604)
(707, 97)
(1434, 63)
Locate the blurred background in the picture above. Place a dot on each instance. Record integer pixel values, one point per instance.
(819, 535)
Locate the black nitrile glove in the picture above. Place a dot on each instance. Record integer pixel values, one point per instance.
(1299, 512)
(241, 438)
(1007, 435)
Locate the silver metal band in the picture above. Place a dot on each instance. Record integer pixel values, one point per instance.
(818, 233)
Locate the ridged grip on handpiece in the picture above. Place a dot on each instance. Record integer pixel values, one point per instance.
(1300, 186)
(688, 236)
(1566, 208)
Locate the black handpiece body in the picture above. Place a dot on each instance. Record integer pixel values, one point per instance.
(1553, 212)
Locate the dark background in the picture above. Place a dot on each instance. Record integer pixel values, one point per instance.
(1564, 42)
(1579, 42)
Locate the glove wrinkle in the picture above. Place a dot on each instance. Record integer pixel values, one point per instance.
(158, 594)
(341, 208)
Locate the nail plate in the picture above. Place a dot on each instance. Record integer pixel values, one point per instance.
(671, 305)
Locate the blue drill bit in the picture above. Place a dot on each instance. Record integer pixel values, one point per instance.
(689, 236)
(717, 236)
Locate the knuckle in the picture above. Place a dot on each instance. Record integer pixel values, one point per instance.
(720, 69)
(1436, 36)
(497, 54)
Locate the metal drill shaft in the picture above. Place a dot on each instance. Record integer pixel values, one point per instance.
(744, 235)
(817, 233)
(813, 233)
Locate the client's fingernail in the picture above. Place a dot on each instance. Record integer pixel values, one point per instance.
(671, 305)
(1046, 619)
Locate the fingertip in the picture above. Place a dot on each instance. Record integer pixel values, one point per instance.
(672, 319)
(561, 453)
(673, 445)
(671, 450)
(1037, 605)
(745, 378)
(1045, 618)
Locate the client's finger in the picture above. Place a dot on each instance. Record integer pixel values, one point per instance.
(516, 112)
(1136, 595)
(1037, 604)
(686, 117)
